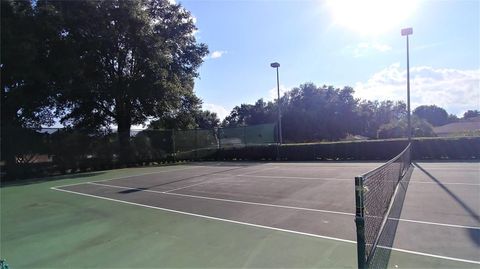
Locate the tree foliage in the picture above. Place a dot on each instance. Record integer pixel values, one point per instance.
(471, 114)
(198, 118)
(131, 60)
(433, 114)
(398, 128)
(245, 114)
(373, 114)
(311, 113)
(95, 64)
(206, 120)
(318, 113)
(25, 66)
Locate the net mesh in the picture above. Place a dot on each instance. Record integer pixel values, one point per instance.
(378, 188)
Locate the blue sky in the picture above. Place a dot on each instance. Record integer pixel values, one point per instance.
(339, 44)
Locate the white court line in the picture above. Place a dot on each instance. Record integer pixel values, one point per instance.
(188, 186)
(227, 200)
(135, 175)
(265, 227)
(344, 179)
(438, 224)
(446, 183)
(430, 255)
(260, 170)
(324, 165)
(452, 169)
(205, 216)
(287, 177)
(282, 206)
(207, 180)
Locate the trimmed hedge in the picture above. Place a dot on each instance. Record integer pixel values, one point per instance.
(465, 148)
(72, 156)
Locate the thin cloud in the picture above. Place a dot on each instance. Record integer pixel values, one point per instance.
(427, 46)
(453, 89)
(215, 54)
(364, 48)
(272, 93)
(221, 111)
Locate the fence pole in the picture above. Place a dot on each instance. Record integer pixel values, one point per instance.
(245, 135)
(196, 144)
(173, 146)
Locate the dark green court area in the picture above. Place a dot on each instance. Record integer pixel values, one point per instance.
(232, 215)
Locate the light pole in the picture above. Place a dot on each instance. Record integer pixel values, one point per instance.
(276, 66)
(406, 32)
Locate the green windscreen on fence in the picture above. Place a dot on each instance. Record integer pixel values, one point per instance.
(38, 152)
(247, 135)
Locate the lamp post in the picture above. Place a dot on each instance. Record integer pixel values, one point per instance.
(406, 32)
(276, 66)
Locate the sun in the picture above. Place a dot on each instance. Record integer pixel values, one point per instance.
(371, 17)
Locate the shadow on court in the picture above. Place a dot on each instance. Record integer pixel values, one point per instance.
(381, 257)
(131, 190)
(474, 234)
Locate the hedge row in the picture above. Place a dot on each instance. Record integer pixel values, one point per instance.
(467, 148)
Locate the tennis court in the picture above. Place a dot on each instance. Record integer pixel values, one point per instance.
(254, 215)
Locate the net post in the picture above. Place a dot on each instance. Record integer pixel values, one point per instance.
(360, 222)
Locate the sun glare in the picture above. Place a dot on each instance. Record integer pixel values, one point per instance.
(371, 17)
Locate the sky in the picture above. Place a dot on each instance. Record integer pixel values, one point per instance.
(353, 43)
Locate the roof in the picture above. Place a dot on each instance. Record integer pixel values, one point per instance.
(463, 126)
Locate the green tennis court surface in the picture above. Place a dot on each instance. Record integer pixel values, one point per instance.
(230, 215)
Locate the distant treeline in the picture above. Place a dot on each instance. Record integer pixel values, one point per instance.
(311, 114)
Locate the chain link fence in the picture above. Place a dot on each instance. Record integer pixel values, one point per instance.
(50, 151)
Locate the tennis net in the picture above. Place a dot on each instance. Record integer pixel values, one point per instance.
(373, 195)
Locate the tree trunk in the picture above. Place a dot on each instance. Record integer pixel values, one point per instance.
(124, 123)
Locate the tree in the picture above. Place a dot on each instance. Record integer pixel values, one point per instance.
(314, 113)
(202, 119)
(129, 61)
(206, 119)
(373, 114)
(435, 115)
(180, 118)
(471, 114)
(26, 68)
(246, 114)
(398, 128)
(452, 118)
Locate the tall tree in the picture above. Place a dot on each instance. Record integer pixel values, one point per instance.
(26, 70)
(433, 114)
(130, 61)
(373, 114)
(202, 119)
(314, 113)
(206, 119)
(25, 42)
(246, 114)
